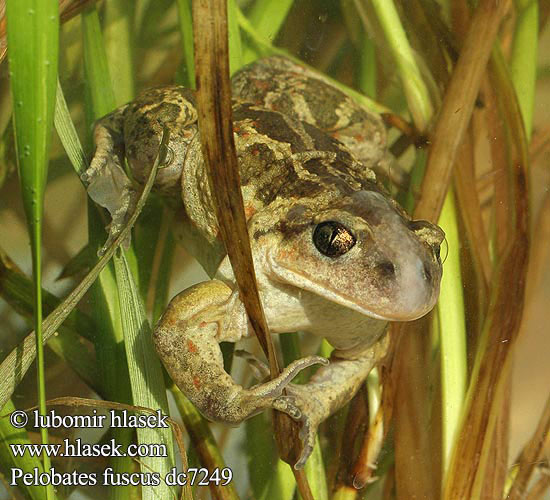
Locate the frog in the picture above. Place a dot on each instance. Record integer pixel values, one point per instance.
(334, 255)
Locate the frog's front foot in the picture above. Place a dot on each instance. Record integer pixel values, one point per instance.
(268, 395)
(106, 181)
(313, 412)
(109, 186)
(298, 403)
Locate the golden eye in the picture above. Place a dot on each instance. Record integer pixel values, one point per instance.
(333, 239)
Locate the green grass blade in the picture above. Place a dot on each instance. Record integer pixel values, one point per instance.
(367, 67)
(118, 22)
(270, 477)
(11, 435)
(109, 340)
(523, 62)
(186, 30)
(17, 290)
(33, 40)
(146, 377)
(98, 76)
(17, 362)
(314, 468)
(416, 92)
(234, 37)
(267, 17)
(67, 133)
(454, 370)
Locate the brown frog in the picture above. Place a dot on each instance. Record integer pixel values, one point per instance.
(333, 254)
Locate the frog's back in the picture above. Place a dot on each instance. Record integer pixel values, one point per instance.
(281, 161)
(279, 84)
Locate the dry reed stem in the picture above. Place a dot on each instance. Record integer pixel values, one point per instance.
(218, 147)
(538, 260)
(364, 467)
(216, 134)
(488, 385)
(414, 471)
(538, 489)
(470, 210)
(498, 467)
(531, 455)
(458, 105)
(448, 134)
(354, 430)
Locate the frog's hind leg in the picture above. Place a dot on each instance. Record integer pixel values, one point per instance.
(187, 340)
(107, 182)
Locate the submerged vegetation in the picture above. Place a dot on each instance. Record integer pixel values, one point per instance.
(457, 86)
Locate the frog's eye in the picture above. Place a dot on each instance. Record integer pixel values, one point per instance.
(333, 239)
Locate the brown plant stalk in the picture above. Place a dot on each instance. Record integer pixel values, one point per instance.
(216, 134)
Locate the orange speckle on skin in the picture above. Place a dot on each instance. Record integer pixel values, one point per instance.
(358, 137)
(191, 347)
(196, 382)
(288, 255)
(261, 84)
(249, 211)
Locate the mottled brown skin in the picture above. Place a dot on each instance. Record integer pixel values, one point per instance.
(334, 255)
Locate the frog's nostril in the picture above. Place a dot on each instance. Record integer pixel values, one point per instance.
(386, 269)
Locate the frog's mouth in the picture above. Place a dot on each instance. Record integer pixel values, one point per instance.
(414, 302)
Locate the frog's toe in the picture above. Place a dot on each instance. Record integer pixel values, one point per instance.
(307, 436)
(120, 216)
(287, 404)
(259, 369)
(274, 388)
(300, 364)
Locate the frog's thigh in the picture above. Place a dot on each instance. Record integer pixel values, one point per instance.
(186, 340)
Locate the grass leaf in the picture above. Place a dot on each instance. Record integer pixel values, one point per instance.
(10, 435)
(146, 377)
(33, 31)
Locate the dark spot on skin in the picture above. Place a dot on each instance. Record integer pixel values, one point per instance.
(296, 213)
(284, 104)
(319, 168)
(271, 124)
(324, 142)
(322, 102)
(289, 229)
(260, 232)
(386, 269)
(275, 185)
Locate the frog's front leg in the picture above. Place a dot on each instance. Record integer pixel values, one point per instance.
(107, 182)
(187, 339)
(331, 388)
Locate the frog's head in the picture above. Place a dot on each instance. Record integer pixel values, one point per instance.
(361, 252)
